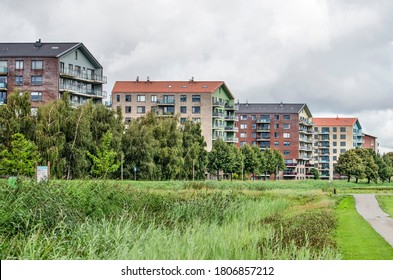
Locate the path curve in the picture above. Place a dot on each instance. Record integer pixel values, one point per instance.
(367, 206)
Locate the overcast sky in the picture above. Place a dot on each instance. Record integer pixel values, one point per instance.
(336, 56)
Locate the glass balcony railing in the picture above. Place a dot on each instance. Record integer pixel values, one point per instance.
(82, 75)
(3, 70)
(81, 90)
(3, 85)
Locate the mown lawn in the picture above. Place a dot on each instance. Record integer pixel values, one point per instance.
(355, 237)
(386, 203)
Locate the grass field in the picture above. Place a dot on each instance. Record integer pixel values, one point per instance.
(386, 203)
(173, 220)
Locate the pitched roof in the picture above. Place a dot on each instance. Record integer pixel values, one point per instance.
(335, 121)
(168, 87)
(34, 49)
(271, 108)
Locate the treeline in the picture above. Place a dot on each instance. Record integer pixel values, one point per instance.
(361, 163)
(91, 141)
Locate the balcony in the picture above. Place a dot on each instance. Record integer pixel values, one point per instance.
(232, 118)
(165, 114)
(305, 122)
(84, 76)
(218, 126)
(263, 120)
(305, 148)
(218, 115)
(165, 102)
(3, 70)
(218, 103)
(305, 131)
(288, 173)
(231, 107)
(264, 128)
(305, 139)
(231, 139)
(264, 138)
(231, 129)
(3, 86)
(83, 91)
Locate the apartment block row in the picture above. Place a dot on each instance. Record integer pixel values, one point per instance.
(48, 70)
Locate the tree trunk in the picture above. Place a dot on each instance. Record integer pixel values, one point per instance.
(349, 178)
(357, 180)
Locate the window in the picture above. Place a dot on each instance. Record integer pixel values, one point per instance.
(276, 134)
(276, 126)
(334, 129)
(286, 117)
(287, 126)
(342, 144)
(253, 126)
(118, 98)
(196, 98)
(287, 144)
(276, 117)
(334, 136)
(243, 117)
(196, 120)
(243, 126)
(342, 136)
(253, 117)
(334, 144)
(316, 136)
(19, 64)
(154, 98)
(36, 80)
(128, 98)
(343, 129)
(243, 135)
(36, 96)
(287, 153)
(196, 109)
(342, 151)
(253, 143)
(18, 80)
(36, 65)
(128, 109)
(141, 98)
(335, 158)
(183, 120)
(183, 98)
(276, 144)
(140, 109)
(243, 143)
(183, 109)
(334, 151)
(127, 120)
(253, 135)
(286, 135)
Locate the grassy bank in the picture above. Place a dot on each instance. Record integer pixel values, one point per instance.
(115, 220)
(386, 203)
(356, 239)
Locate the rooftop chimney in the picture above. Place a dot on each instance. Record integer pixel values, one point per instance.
(38, 43)
(137, 78)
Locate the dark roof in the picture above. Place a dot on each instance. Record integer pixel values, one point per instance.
(270, 108)
(41, 49)
(30, 49)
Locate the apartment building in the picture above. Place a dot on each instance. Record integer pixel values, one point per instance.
(334, 136)
(210, 103)
(281, 126)
(47, 70)
(370, 142)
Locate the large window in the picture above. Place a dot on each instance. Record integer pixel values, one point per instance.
(286, 135)
(343, 129)
(286, 117)
(18, 80)
(243, 126)
(36, 96)
(36, 80)
(118, 98)
(287, 126)
(196, 109)
(140, 109)
(243, 117)
(19, 64)
(243, 135)
(154, 98)
(36, 64)
(141, 98)
(196, 98)
(128, 98)
(183, 109)
(128, 109)
(183, 98)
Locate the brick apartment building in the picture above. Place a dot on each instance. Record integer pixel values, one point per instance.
(334, 136)
(209, 103)
(47, 70)
(370, 142)
(284, 127)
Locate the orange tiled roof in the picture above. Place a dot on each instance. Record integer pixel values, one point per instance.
(167, 86)
(334, 121)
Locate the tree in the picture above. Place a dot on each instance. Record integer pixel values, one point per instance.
(104, 161)
(218, 157)
(350, 164)
(251, 156)
(20, 158)
(315, 172)
(274, 162)
(234, 161)
(370, 167)
(388, 170)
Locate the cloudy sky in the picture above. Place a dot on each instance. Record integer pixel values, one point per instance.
(334, 55)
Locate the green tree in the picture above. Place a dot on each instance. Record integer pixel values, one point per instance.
(252, 159)
(315, 172)
(274, 162)
(388, 171)
(104, 160)
(370, 167)
(20, 158)
(234, 161)
(350, 164)
(218, 157)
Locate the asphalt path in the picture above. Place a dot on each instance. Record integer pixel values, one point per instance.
(367, 206)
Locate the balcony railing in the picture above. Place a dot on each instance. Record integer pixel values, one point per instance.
(231, 128)
(231, 139)
(3, 70)
(83, 75)
(84, 91)
(218, 126)
(231, 107)
(232, 118)
(218, 115)
(218, 103)
(3, 85)
(263, 120)
(167, 102)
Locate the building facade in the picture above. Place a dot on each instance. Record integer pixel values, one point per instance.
(334, 136)
(47, 70)
(209, 103)
(370, 142)
(284, 127)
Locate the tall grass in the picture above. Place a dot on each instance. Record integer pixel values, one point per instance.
(108, 220)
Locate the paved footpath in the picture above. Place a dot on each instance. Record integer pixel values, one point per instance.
(367, 206)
